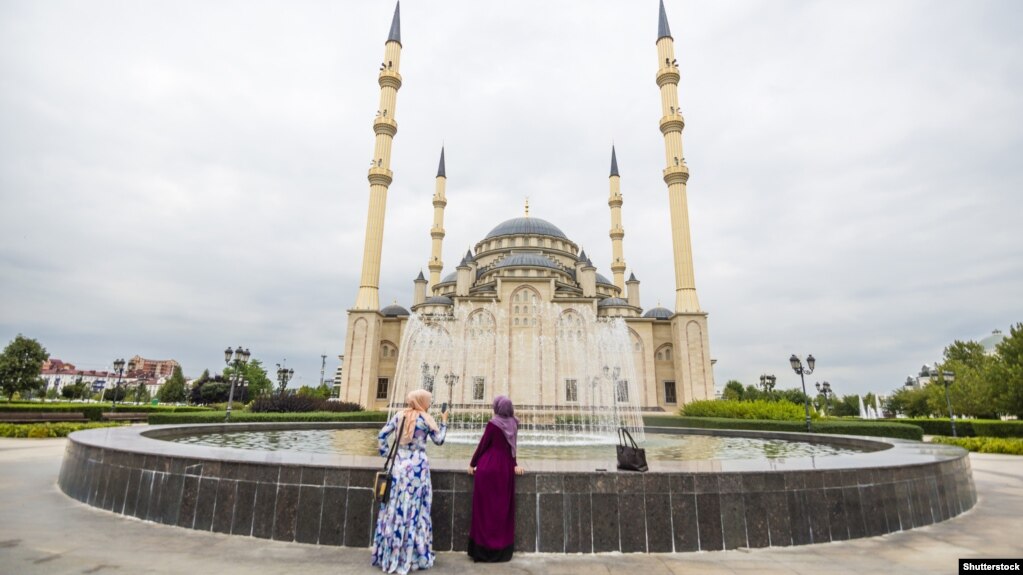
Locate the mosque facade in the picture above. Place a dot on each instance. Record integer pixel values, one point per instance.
(535, 275)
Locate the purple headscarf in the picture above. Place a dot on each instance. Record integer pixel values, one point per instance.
(504, 418)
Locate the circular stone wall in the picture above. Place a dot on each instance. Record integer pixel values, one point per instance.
(560, 506)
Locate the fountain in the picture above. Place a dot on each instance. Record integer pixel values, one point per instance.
(574, 386)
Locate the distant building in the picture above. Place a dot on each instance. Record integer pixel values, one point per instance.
(57, 374)
(153, 368)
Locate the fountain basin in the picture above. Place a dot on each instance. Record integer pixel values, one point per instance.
(579, 506)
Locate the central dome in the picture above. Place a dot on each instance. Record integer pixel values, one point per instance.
(526, 226)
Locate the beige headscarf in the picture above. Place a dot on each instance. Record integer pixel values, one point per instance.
(418, 402)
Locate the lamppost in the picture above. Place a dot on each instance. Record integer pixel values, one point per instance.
(767, 382)
(947, 377)
(429, 377)
(910, 382)
(451, 379)
(825, 390)
(119, 368)
(237, 363)
(284, 375)
(797, 366)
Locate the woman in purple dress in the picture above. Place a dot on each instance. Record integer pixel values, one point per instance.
(492, 531)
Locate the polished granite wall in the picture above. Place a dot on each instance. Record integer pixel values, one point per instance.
(561, 512)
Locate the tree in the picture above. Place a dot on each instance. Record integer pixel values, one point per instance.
(116, 393)
(20, 365)
(847, 406)
(733, 390)
(909, 401)
(254, 375)
(1007, 373)
(319, 392)
(141, 393)
(173, 390)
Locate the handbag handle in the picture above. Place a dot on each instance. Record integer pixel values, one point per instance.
(389, 462)
(624, 433)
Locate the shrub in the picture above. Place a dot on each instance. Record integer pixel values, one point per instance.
(1010, 446)
(292, 403)
(758, 409)
(42, 430)
(839, 427)
(938, 426)
(995, 428)
(249, 417)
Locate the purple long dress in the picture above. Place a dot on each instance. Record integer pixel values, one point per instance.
(492, 531)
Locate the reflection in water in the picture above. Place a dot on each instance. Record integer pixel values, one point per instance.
(659, 447)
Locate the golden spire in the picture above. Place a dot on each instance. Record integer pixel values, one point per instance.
(527, 206)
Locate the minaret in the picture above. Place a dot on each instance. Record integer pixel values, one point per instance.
(380, 174)
(677, 173)
(694, 374)
(437, 231)
(617, 232)
(362, 340)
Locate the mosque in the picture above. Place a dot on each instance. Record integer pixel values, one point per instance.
(536, 278)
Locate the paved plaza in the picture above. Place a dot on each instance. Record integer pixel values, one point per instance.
(44, 531)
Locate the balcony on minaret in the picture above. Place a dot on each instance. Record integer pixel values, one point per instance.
(381, 176)
(667, 75)
(676, 174)
(385, 125)
(672, 123)
(389, 78)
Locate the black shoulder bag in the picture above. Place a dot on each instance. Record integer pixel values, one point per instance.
(382, 483)
(631, 457)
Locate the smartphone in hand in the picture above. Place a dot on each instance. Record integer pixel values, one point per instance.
(444, 407)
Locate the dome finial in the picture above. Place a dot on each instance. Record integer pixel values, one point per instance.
(527, 206)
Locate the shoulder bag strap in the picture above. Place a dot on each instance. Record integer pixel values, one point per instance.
(389, 462)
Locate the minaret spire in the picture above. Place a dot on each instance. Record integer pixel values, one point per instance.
(617, 231)
(676, 174)
(395, 34)
(663, 31)
(437, 231)
(380, 175)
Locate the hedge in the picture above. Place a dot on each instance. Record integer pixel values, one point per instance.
(757, 409)
(996, 428)
(1010, 446)
(839, 427)
(94, 411)
(966, 427)
(249, 417)
(40, 430)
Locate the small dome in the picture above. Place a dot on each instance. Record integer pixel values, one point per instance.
(527, 260)
(439, 300)
(394, 310)
(526, 226)
(612, 302)
(451, 277)
(992, 341)
(604, 281)
(659, 313)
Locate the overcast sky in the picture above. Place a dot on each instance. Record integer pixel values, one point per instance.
(181, 176)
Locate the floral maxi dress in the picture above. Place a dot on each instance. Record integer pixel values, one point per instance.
(403, 540)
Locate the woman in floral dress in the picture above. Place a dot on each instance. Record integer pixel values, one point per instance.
(403, 540)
